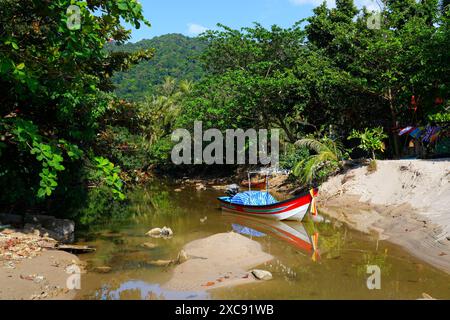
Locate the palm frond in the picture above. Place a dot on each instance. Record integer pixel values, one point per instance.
(327, 152)
(312, 144)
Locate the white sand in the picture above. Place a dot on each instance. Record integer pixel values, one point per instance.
(223, 259)
(408, 203)
(18, 284)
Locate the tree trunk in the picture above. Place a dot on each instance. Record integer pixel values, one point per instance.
(394, 124)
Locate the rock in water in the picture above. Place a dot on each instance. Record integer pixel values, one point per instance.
(104, 269)
(262, 274)
(182, 257)
(200, 187)
(149, 245)
(155, 232)
(221, 188)
(160, 263)
(426, 296)
(166, 232)
(160, 232)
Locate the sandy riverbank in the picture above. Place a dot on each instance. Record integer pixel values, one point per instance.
(30, 269)
(222, 260)
(406, 202)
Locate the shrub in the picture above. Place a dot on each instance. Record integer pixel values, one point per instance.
(292, 156)
(371, 140)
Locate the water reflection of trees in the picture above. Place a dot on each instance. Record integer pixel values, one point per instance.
(377, 258)
(331, 240)
(155, 199)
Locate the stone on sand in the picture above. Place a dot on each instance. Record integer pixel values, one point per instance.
(262, 274)
(182, 257)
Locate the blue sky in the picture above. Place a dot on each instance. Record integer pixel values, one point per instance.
(190, 17)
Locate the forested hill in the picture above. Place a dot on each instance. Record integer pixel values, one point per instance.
(175, 56)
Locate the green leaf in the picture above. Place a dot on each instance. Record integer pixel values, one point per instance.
(122, 5)
(41, 193)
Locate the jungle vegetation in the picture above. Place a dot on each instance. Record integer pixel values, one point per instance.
(84, 117)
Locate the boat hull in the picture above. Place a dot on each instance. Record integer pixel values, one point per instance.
(292, 209)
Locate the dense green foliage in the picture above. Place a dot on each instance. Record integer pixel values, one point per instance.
(176, 56)
(54, 79)
(137, 135)
(335, 71)
(329, 74)
(371, 140)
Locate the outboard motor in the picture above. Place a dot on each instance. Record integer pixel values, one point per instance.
(232, 190)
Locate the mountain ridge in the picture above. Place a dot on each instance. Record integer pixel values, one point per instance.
(176, 56)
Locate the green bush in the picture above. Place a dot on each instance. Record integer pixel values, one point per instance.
(130, 151)
(54, 81)
(292, 156)
(371, 140)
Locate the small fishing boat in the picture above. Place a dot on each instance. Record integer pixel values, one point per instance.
(263, 204)
(292, 209)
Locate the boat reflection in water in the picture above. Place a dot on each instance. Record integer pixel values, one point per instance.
(294, 233)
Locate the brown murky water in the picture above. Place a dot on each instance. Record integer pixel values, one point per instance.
(339, 272)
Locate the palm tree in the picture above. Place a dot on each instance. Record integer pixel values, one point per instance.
(328, 154)
(186, 87)
(160, 111)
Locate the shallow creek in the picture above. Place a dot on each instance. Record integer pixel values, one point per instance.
(339, 271)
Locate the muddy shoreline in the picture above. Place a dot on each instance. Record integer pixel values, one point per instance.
(31, 268)
(400, 225)
(403, 202)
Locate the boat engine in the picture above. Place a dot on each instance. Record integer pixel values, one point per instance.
(232, 190)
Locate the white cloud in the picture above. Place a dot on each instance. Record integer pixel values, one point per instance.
(371, 5)
(195, 29)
